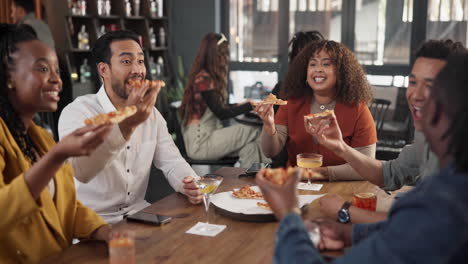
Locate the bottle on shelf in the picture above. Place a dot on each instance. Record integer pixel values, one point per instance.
(83, 39)
(160, 67)
(102, 31)
(153, 8)
(74, 7)
(85, 72)
(107, 8)
(136, 7)
(101, 7)
(82, 7)
(153, 69)
(128, 8)
(152, 36)
(162, 37)
(160, 8)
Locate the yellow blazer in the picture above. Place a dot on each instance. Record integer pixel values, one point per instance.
(31, 230)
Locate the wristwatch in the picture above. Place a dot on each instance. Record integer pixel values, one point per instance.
(343, 213)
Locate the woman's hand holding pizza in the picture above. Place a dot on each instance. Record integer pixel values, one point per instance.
(266, 113)
(81, 142)
(327, 132)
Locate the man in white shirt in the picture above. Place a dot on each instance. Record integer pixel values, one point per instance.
(113, 180)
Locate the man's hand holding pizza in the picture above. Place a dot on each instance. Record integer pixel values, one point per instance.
(143, 96)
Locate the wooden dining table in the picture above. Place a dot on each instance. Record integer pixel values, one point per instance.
(239, 242)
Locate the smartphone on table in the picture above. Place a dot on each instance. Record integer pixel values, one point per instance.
(149, 218)
(252, 171)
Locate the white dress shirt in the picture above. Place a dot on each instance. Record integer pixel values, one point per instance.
(113, 179)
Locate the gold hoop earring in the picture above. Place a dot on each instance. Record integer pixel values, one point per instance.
(9, 86)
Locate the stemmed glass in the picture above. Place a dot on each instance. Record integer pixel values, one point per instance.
(309, 161)
(208, 185)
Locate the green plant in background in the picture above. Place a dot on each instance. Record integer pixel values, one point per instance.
(176, 92)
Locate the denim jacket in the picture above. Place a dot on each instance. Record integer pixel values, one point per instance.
(428, 225)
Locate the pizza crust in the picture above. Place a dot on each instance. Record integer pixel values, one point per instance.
(140, 83)
(279, 175)
(324, 114)
(112, 117)
(273, 100)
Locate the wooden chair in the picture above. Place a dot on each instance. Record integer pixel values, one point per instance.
(378, 109)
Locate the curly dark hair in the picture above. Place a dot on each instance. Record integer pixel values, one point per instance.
(213, 59)
(10, 37)
(439, 49)
(449, 90)
(351, 82)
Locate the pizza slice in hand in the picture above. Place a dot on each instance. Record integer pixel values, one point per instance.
(322, 115)
(140, 83)
(273, 100)
(112, 117)
(279, 175)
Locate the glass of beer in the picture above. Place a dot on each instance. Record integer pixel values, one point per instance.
(309, 161)
(122, 247)
(365, 198)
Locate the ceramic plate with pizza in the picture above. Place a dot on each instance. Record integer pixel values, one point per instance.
(253, 210)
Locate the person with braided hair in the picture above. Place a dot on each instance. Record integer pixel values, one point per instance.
(37, 193)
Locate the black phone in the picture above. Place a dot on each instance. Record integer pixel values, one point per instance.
(256, 167)
(148, 218)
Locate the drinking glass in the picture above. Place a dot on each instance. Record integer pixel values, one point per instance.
(365, 198)
(122, 247)
(208, 185)
(309, 161)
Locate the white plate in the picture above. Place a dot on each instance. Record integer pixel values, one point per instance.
(227, 202)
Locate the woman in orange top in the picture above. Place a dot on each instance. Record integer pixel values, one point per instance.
(324, 76)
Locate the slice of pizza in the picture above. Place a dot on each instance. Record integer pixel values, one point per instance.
(273, 100)
(264, 206)
(279, 175)
(247, 192)
(324, 114)
(112, 117)
(140, 83)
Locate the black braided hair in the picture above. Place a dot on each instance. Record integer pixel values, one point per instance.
(10, 37)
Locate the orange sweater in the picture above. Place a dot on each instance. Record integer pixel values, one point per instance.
(356, 124)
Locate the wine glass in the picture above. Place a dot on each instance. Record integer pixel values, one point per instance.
(309, 161)
(208, 185)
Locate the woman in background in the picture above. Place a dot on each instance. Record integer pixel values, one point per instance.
(40, 212)
(325, 75)
(204, 107)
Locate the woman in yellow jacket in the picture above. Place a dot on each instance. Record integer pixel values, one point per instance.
(40, 212)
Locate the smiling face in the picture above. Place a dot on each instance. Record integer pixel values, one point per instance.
(127, 63)
(321, 74)
(34, 82)
(422, 75)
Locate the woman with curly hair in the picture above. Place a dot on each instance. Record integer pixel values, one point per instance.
(40, 212)
(324, 76)
(204, 106)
